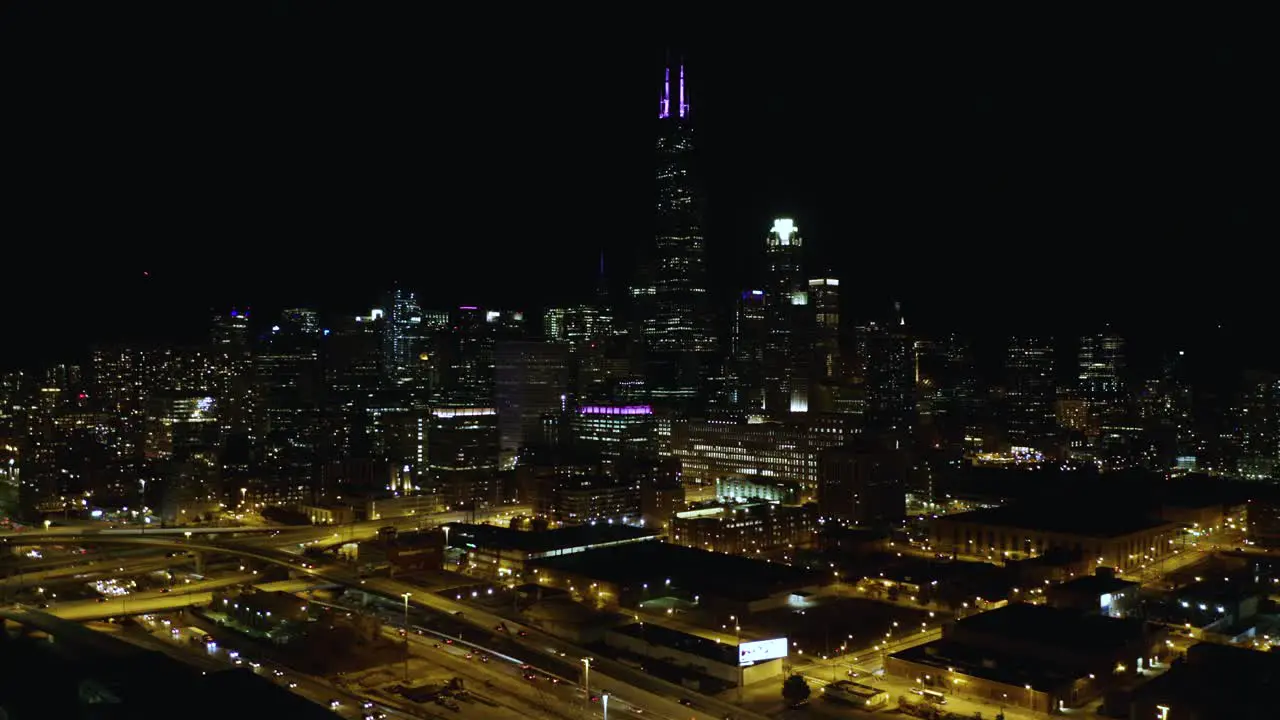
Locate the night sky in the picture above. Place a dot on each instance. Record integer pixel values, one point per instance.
(278, 156)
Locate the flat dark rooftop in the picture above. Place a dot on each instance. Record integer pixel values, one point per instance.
(1217, 590)
(1094, 585)
(545, 541)
(1053, 627)
(1219, 681)
(1086, 521)
(983, 663)
(692, 644)
(690, 571)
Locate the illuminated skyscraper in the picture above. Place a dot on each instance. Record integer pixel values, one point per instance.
(1101, 365)
(402, 339)
(530, 379)
(1030, 392)
(824, 299)
(785, 380)
(888, 367)
(671, 292)
(748, 343)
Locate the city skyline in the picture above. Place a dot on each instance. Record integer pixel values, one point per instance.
(358, 366)
(962, 189)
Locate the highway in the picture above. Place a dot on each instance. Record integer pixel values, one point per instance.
(222, 657)
(651, 693)
(522, 689)
(632, 686)
(71, 531)
(273, 534)
(496, 680)
(113, 567)
(198, 593)
(326, 535)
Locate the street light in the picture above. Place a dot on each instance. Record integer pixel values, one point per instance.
(47, 523)
(446, 545)
(586, 682)
(406, 634)
(737, 634)
(604, 704)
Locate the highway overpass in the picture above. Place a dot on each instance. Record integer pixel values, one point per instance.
(180, 598)
(276, 534)
(72, 633)
(131, 566)
(650, 691)
(86, 530)
(646, 689)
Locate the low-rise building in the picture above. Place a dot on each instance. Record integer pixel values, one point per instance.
(771, 450)
(743, 489)
(493, 551)
(1124, 541)
(856, 694)
(1219, 609)
(639, 572)
(745, 529)
(695, 653)
(1033, 656)
(272, 613)
(1214, 681)
(601, 499)
(1101, 593)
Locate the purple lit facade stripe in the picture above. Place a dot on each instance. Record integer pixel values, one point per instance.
(664, 105)
(468, 307)
(616, 410)
(684, 107)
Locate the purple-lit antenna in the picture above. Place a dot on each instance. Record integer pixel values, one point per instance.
(684, 106)
(664, 105)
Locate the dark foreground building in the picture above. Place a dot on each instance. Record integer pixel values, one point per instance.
(78, 674)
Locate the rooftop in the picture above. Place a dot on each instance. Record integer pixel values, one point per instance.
(858, 689)
(1214, 590)
(1094, 585)
(571, 539)
(948, 655)
(1053, 627)
(1086, 521)
(1219, 681)
(690, 571)
(692, 644)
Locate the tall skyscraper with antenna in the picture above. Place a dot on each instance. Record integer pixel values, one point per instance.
(672, 292)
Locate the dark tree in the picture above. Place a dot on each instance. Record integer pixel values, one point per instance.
(795, 689)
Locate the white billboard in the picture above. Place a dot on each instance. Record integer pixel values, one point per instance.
(754, 652)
